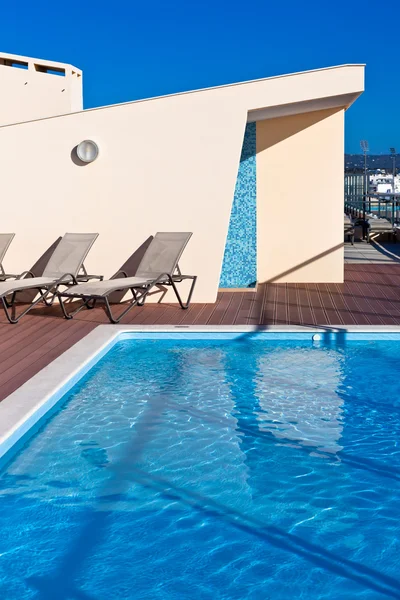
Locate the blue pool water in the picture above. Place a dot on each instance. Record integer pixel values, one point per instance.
(242, 469)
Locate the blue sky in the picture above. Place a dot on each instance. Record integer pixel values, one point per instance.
(130, 49)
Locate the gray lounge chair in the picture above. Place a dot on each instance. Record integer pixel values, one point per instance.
(65, 266)
(158, 267)
(5, 241)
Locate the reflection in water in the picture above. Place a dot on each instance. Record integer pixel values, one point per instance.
(306, 408)
(210, 426)
(193, 470)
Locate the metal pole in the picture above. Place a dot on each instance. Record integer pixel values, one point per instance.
(394, 204)
(365, 183)
(365, 148)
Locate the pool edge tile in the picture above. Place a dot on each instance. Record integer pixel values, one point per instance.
(26, 407)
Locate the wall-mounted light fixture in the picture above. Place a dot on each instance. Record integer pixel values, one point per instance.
(87, 151)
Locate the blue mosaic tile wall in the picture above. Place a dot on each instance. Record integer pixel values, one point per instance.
(239, 268)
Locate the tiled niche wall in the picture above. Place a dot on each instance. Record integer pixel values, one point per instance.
(239, 268)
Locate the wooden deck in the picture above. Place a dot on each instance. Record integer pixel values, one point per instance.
(369, 296)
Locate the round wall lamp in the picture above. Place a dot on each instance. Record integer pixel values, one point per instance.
(87, 151)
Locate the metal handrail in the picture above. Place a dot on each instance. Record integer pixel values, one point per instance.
(383, 205)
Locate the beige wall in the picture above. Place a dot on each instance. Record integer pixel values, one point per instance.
(27, 94)
(167, 169)
(300, 197)
(165, 164)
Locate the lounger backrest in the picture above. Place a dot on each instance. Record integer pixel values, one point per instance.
(163, 254)
(5, 241)
(69, 255)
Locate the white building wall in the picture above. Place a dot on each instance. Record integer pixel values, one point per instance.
(31, 89)
(165, 164)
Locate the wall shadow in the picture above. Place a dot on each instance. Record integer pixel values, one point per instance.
(385, 252)
(75, 158)
(27, 296)
(293, 124)
(304, 264)
(130, 267)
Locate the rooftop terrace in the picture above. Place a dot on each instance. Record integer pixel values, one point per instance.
(370, 295)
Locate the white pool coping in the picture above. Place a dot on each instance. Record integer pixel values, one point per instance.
(22, 410)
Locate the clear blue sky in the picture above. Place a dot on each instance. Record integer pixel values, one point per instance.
(131, 49)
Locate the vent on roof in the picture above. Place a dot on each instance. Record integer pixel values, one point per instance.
(50, 70)
(9, 62)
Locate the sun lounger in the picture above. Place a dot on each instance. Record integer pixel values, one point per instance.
(65, 267)
(5, 241)
(158, 267)
(378, 226)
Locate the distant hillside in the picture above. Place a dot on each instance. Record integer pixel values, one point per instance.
(374, 161)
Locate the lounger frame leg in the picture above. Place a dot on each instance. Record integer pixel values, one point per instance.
(139, 299)
(9, 308)
(86, 304)
(53, 297)
(44, 292)
(116, 319)
(182, 304)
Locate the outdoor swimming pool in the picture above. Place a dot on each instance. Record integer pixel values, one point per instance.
(225, 469)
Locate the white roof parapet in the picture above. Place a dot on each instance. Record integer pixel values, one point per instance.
(33, 89)
(6, 59)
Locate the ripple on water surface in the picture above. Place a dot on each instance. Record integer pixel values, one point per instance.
(202, 469)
